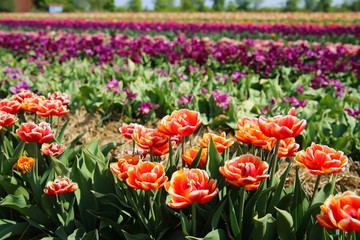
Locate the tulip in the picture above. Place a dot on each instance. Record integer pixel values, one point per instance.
(282, 127)
(249, 132)
(32, 104)
(48, 108)
(60, 185)
(221, 143)
(127, 130)
(23, 95)
(7, 119)
(321, 159)
(190, 186)
(24, 164)
(287, 148)
(341, 211)
(191, 154)
(146, 138)
(9, 106)
(53, 149)
(183, 122)
(146, 176)
(121, 167)
(63, 97)
(246, 170)
(31, 132)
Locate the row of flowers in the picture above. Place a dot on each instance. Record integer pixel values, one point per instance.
(178, 27)
(261, 56)
(198, 180)
(249, 17)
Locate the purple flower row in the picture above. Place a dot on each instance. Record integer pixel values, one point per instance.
(180, 27)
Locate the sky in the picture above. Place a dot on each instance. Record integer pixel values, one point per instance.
(149, 4)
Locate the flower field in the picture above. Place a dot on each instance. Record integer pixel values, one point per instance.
(215, 127)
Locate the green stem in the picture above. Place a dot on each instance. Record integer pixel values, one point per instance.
(57, 126)
(151, 155)
(171, 159)
(36, 160)
(333, 181)
(193, 217)
(274, 162)
(182, 150)
(241, 207)
(315, 189)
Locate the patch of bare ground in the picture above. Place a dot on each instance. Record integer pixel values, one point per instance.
(81, 121)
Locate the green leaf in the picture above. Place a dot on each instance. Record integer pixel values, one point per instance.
(185, 224)
(60, 135)
(8, 165)
(264, 228)
(214, 161)
(10, 228)
(139, 236)
(285, 225)
(217, 214)
(217, 234)
(196, 160)
(234, 224)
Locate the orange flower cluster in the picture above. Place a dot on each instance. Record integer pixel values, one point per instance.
(31, 132)
(60, 185)
(321, 159)
(191, 154)
(121, 167)
(24, 164)
(341, 212)
(190, 185)
(249, 132)
(246, 170)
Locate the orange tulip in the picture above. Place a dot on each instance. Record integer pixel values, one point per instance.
(191, 154)
(121, 167)
(190, 185)
(282, 127)
(246, 170)
(53, 149)
(221, 142)
(249, 132)
(9, 106)
(146, 176)
(162, 150)
(7, 119)
(341, 212)
(23, 95)
(183, 122)
(47, 108)
(30, 132)
(287, 148)
(147, 138)
(127, 130)
(321, 159)
(63, 97)
(60, 186)
(24, 164)
(31, 104)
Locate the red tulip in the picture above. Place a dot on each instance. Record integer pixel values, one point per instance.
(287, 148)
(53, 149)
(246, 170)
(7, 119)
(147, 138)
(146, 176)
(183, 122)
(190, 185)
(9, 106)
(31, 104)
(60, 186)
(23, 95)
(127, 130)
(30, 132)
(221, 142)
(63, 97)
(282, 127)
(341, 212)
(321, 159)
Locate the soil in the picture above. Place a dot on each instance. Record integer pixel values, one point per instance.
(81, 121)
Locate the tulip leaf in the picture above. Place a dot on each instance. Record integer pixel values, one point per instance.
(234, 224)
(60, 135)
(279, 190)
(264, 228)
(8, 165)
(139, 236)
(214, 161)
(217, 234)
(10, 228)
(196, 160)
(317, 232)
(185, 224)
(60, 168)
(11, 186)
(217, 214)
(285, 225)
